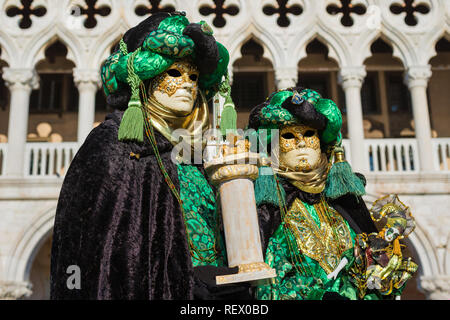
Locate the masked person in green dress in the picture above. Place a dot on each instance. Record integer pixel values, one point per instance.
(319, 245)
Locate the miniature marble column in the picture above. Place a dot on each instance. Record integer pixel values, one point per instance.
(87, 81)
(234, 173)
(416, 78)
(286, 77)
(20, 83)
(351, 79)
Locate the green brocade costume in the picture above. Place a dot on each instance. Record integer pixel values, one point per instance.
(303, 276)
(201, 217)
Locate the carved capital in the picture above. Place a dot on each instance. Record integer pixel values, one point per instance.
(418, 76)
(16, 78)
(13, 290)
(286, 77)
(87, 77)
(436, 287)
(352, 77)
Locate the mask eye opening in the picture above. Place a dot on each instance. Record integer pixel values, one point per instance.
(309, 133)
(288, 135)
(174, 73)
(193, 77)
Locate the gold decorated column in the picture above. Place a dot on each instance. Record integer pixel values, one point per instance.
(234, 171)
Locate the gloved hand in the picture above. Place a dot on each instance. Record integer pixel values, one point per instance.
(206, 288)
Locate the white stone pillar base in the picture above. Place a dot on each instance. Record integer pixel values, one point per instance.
(234, 174)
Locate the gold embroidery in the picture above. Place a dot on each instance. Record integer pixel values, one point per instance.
(326, 243)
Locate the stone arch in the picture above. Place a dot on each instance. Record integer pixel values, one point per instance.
(7, 49)
(402, 48)
(271, 48)
(102, 52)
(336, 49)
(36, 50)
(430, 46)
(27, 245)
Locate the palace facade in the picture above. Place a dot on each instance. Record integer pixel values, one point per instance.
(385, 62)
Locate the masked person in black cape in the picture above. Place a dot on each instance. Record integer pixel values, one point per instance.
(133, 221)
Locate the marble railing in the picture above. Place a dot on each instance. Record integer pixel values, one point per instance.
(441, 148)
(50, 160)
(3, 148)
(392, 155)
(43, 159)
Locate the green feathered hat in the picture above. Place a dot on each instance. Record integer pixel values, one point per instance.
(174, 38)
(305, 106)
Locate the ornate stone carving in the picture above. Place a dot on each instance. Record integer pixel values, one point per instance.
(283, 10)
(153, 7)
(286, 77)
(26, 10)
(86, 77)
(418, 76)
(219, 10)
(347, 9)
(411, 9)
(21, 78)
(11, 290)
(352, 76)
(90, 11)
(437, 287)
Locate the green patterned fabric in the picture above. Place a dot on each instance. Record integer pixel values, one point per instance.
(331, 111)
(275, 114)
(168, 43)
(291, 284)
(201, 217)
(160, 49)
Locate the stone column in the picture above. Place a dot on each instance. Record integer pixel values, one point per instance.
(416, 78)
(20, 83)
(286, 77)
(351, 79)
(87, 81)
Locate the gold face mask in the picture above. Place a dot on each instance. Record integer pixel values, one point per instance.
(176, 77)
(298, 136)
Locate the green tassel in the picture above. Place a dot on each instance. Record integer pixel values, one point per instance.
(228, 118)
(266, 187)
(341, 179)
(132, 124)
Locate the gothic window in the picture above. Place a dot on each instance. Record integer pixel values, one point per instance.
(91, 10)
(248, 89)
(398, 94)
(57, 92)
(4, 92)
(219, 10)
(317, 81)
(252, 80)
(153, 7)
(370, 94)
(26, 10)
(282, 11)
(411, 8)
(347, 9)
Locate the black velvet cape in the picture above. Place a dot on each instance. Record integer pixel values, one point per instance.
(118, 221)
